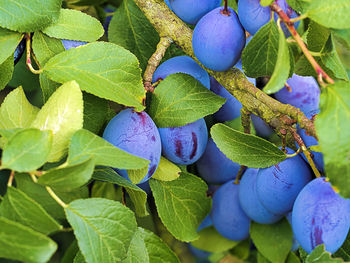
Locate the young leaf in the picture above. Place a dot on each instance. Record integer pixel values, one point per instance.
(130, 29)
(95, 110)
(75, 25)
(17, 206)
(48, 87)
(6, 71)
(260, 55)
(281, 71)
(103, 228)
(19, 242)
(27, 150)
(210, 240)
(246, 149)
(16, 111)
(137, 251)
(34, 15)
(9, 40)
(266, 2)
(84, 143)
(330, 13)
(166, 171)
(181, 99)
(319, 255)
(137, 195)
(272, 241)
(103, 69)
(335, 142)
(182, 204)
(69, 177)
(63, 114)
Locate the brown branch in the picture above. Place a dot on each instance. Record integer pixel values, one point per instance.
(154, 61)
(254, 100)
(245, 119)
(290, 25)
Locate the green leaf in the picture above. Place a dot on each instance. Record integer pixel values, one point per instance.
(75, 25)
(103, 69)
(335, 142)
(137, 195)
(63, 114)
(48, 87)
(266, 2)
(281, 72)
(180, 99)
(330, 13)
(105, 190)
(166, 171)
(45, 47)
(210, 240)
(344, 251)
(19, 242)
(84, 142)
(95, 110)
(319, 255)
(9, 40)
(16, 111)
(27, 150)
(28, 16)
(137, 252)
(182, 204)
(6, 71)
(292, 258)
(299, 5)
(317, 36)
(344, 35)
(260, 55)
(19, 207)
(69, 177)
(79, 258)
(246, 149)
(273, 241)
(242, 250)
(130, 29)
(103, 228)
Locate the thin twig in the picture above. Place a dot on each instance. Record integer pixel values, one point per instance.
(246, 121)
(28, 59)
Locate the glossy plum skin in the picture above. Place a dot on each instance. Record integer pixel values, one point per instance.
(214, 167)
(135, 133)
(252, 15)
(250, 202)
(305, 93)
(182, 64)
(295, 245)
(218, 40)
(278, 186)
(262, 129)
(19, 51)
(291, 14)
(68, 44)
(227, 215)
(190, 11)
(320, 216)
(184, 145)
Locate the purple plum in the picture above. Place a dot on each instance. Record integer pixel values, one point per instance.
(295, 245)
(68, 44)
(19, 51)
(262, 129)
(135, 133)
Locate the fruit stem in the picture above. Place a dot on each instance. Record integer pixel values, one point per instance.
(154, 61)
(55, 197)
(12, 175)
(28, 59)
(294, 154)
(290, 25)
(239, 174)
(225, 11)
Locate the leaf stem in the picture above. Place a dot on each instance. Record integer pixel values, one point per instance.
(12, 175)
(55, 197)
(294, 154)
(296, 19)
(28, 59)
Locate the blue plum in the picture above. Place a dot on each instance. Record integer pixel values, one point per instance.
(182, 64)
(184, 145)
(168, 4)
(190, 11)
(19, 51)
(304, 94)
(214, 167)
(250, 202)
(278, 186)
(109, 10)
(295, 245)
(252, 15)
(227, 215)
(291, 14)
(135, 133)
(198, 253)
(218, 39)
(320, 216)
(145, 187)
(205, 223)
(261, 128)
(68, 44)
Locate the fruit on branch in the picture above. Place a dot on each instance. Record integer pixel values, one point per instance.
(184, 145)
(182, 64)
(304, 93)
(214, 167)
(19, 51)
(320, 216)
(135, 133)
(262, 129)
(295, 245)
(190, 11)
(250, 202)
(252, 15)
(218, 39)
(227, 215)
(68, 44)
(290, 13)
(278, 186)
